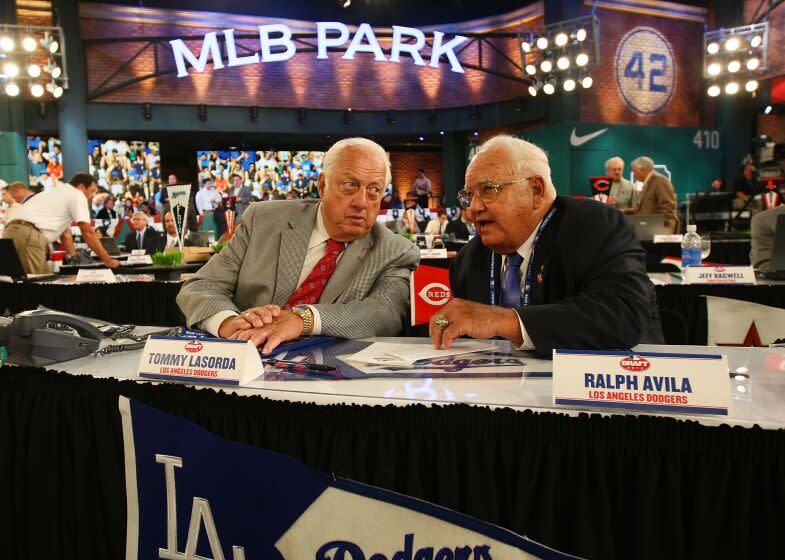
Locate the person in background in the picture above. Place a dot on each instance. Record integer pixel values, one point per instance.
(422, 189)
(763, 226)
(717, 186)
(410, 216)
(207, 199)
(170, 239)
(462, 228)
(544, 271)
(143, 236)
(745, 187)
(437, 226)
(658, 195)
(47, 216)
(9, 201)
(622, 193)
(243, 193)
(107, 212)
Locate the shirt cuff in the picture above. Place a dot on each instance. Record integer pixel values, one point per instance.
(213, 324)
(317, 321)
(528, 344)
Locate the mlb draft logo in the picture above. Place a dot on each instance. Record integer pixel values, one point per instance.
(194, 346)
(430, 291)
(635, 363)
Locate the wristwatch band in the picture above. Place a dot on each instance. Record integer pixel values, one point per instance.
(305, 313)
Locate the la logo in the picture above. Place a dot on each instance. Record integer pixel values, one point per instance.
(200, 513)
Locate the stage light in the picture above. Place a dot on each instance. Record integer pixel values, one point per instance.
(50, 43)
(561, 39)
(7, 43)
(476, 133)
(546, 66)
(526, 46)
(421, 138)
(587, 82)
(756, 41)
(345, 3)
(569, 84)
(549, 88)
(731, 88)
(734, 66)
(34, 70)
(533, 90)
(581, 34)
(714, 69)
(751, 86)
(582, 59)
(37, 90)
(767, 110)
(714, 90)
(713, 48)
(10, 69)
(732, 44)
(29, 44)
(12, 89)
(563, 63)
(531, 69)
(542, 43)
(441, 133)
(56, 72)
(753, 63)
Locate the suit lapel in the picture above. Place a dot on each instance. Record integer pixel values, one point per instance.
(540, 258)
(347, 267)
(291, 254)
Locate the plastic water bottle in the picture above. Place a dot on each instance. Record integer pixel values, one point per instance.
(690, 248)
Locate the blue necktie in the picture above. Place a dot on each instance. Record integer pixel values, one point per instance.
(511, 285)
(139, 240)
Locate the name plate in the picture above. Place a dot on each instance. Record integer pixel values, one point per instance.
(433, 253)
(139, 259)
(719, 275)
(653, 381)
(95, 275)
(138, 252)
(214, 361)
(661, 238)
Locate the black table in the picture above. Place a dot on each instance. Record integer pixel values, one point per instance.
(597, 486)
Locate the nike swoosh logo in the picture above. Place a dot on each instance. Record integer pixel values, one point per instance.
(576, 140)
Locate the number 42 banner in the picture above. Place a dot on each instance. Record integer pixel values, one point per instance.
(192, 495)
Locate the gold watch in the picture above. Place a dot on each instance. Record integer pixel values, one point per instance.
(304, 312)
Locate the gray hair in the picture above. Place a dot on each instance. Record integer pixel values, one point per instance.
(611, 161)
(138, 213)
(643, 163)
(530, 159)
(335, 150)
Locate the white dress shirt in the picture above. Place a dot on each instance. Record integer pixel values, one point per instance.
(317, 247)
(524, 251)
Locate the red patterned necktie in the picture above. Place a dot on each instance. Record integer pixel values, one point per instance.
(312, 287)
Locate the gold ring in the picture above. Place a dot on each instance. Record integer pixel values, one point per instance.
(245, 314)
(442, 322)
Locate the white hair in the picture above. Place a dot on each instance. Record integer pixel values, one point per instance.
(138, 213)
(530, 160)
(331, 157)
(643, 163)
(614, 159)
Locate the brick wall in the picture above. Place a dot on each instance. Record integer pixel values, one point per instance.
(604, 101)
(404, 170)
(302, 81)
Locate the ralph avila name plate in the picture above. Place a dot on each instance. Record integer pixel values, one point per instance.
(661, 382)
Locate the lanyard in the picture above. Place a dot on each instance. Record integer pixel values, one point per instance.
(527, 285)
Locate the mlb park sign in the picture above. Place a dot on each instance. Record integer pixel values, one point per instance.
(276, 45)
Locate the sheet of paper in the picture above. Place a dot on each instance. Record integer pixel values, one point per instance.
(388, 353)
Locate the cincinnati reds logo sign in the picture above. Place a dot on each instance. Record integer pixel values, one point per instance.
(435, 293)
(601, 185)
(194, 346)
(635, 363)
(719, 269)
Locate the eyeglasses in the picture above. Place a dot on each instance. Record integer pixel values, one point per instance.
(487, 192)
(350, 188)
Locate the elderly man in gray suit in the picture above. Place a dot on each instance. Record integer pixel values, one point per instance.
(302, 267)
(622, 194)
(764, 225)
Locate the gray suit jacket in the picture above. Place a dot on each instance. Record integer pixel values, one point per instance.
(367, 294)
(244, 199)
(764, 225)
(624, 193)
